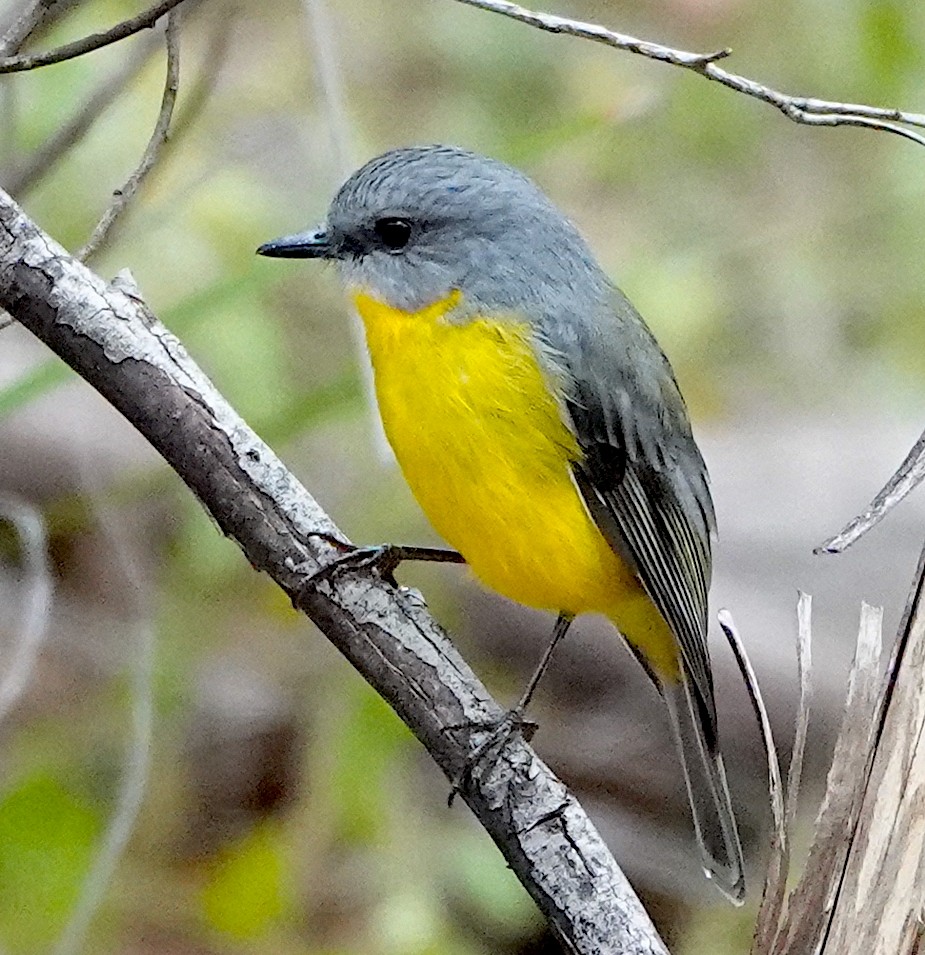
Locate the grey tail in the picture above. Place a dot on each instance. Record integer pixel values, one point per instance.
(711, 807)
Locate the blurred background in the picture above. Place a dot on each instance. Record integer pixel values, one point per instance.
(190, 767)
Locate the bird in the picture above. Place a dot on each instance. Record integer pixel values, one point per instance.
(538, 424)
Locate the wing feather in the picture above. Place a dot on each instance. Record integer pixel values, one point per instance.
(645, 484)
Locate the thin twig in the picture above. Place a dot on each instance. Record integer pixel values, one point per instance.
(36, 610)
(124, 195)
(20, 180)
(771, 918)
(809, 111)
(908, 476)
(772, 897)
(87, 44)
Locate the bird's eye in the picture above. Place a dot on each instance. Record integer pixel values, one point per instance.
(393, 232)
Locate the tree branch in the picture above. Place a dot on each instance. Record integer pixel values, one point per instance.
(801, 109)
(87, 44)
(110, 338)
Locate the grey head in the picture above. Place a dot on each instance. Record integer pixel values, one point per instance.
(417, 223)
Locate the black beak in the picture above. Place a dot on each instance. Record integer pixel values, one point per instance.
(313, 244)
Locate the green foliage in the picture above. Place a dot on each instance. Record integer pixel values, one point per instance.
(247, 891)
(47, 836)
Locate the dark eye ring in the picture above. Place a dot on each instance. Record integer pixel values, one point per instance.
(394, 232)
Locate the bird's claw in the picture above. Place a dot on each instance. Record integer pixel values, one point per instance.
(500, 732)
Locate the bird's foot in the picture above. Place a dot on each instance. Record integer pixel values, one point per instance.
(486, 754)
(380, 559)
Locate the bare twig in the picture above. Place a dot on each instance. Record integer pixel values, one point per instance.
(119, 347)
(38, 588)
(20, 180)
(123, 196)
(809, 111)
(907, 477)
(770, 922)
(87, 44)
(776, 880)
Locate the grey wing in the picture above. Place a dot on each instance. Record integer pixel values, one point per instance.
(643, 478)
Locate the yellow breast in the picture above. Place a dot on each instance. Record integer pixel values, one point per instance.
(478, 431)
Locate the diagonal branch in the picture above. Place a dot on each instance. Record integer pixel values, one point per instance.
(801, 109)
(87, 44)
(111, 339)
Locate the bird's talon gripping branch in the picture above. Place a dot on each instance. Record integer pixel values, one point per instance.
(486, 754)
(380, 559)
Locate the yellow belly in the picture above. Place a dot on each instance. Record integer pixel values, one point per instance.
(481, 441)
